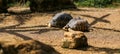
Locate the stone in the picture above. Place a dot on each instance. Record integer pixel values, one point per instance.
(74, 39)
(16, 45)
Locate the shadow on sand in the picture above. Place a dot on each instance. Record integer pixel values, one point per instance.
(101, 49)
(13, 30)
(101, 19)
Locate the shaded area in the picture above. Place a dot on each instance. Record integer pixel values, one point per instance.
(9, 27)
(15, 45)
(3, 16)
(45, 30)
(13, 30)
(80, 9)
(32, 26)
(14, 33)
(3, 6)
(22, 18)
(40, 30)
(19, 35)
(107, 50)
(107, 29)
(100, 49)
(25, 46)
(101, 19)
(50, 5)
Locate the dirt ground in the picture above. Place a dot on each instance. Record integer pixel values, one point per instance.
(103, 39)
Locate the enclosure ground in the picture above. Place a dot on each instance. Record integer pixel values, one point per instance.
(103, 39)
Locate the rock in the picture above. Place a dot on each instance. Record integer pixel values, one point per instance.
(15, 45)
(74, 39)
(34, 47)
(7, 44)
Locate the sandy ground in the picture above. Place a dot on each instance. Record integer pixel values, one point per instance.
(103, 39)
